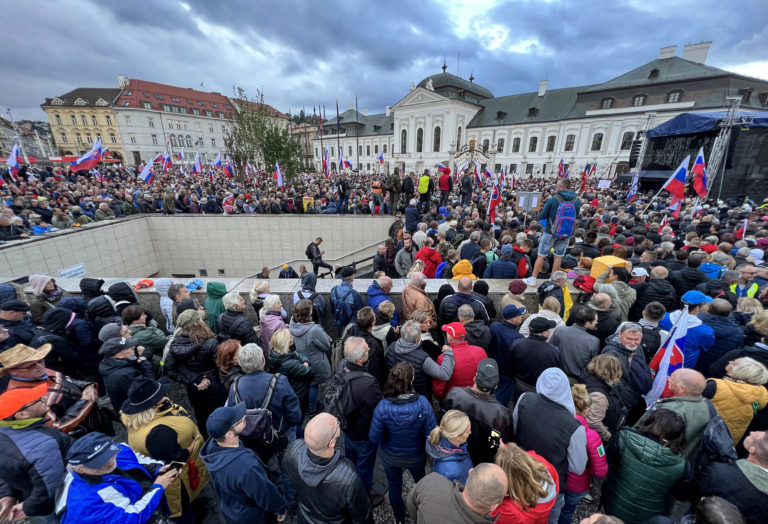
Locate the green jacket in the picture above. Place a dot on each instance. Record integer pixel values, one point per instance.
(149, 337)
(637, 488)
(694, 411)
(291, 365)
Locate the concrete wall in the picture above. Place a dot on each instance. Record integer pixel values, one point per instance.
(143, 246)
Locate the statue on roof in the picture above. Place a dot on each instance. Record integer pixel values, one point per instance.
(429, 85)
(412, 86)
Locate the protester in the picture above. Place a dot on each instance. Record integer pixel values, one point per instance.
(533, 486)
(447, 445)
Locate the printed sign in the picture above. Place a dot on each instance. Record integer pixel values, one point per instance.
(603, 184)
(76, 271)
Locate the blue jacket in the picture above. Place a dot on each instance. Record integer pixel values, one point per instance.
(376, 296)
(115, 498)
(448, 460)
(246, 493)
(284, 405)
(728, 336)
(501, 268)
(698, 339)
(412, 218)
(502, 335)
(401, 424)
(550, 208)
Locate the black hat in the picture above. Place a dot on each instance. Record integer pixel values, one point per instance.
(14, 305)
(487, 376)
(142, 395)
(223, 418)
(113, 346)
(540, 325)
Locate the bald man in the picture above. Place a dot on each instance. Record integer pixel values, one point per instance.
(327, 485)
(687, 386)
(378, 292)
(437, 500)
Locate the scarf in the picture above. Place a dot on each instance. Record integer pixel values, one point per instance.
(53, 296)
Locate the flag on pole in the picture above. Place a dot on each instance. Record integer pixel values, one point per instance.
(97, 174)
(325, 162)
(584, 176)
(217, 160)
(699, 169)
(567, 173)
(147, 174)
(592, 169)
(742, 231)
(381, 158)
(676, 183)
(561, 169)
(211, 175)
(477, 177)
(668, 359)
(278, 176)
(487, 173)
(494, 201)
(632, 195)
(13, 162)
(502, 179)
(197, 168)
(89, 160)
(180, 155)
(228, 167)
(512, 181)
(663, 223)
(347, 164)
(674, 206)
(166, 162)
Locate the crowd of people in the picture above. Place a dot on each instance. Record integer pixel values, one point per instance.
(314, 410)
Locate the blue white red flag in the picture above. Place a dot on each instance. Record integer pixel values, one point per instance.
(147, 174)
(664, 222)
(593, 169)
(197, 168)
(347, 164)
(217, 161)
(341, 160)
(180, 155)
(167, 163)
(567, 173)
(228, 167)
(326, 163)
(97, 174)
(561, 169)
(668, 359)
(494, 201)
(674, 206)
(699, 169)
(211, 175)
(676, 182)
(502, 179)
(13, 162)
(477, 177)
(381, 158)
(278, 176)
(487, 173)
(89, 160)
(632, 195)
(512, 180)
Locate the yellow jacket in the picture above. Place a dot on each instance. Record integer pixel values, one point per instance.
(463, 268)
(737, 403)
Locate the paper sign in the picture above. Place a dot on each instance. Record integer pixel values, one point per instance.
(76, 271)
(604, 184)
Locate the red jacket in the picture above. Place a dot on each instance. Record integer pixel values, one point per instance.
(510, 512)
(431, 258)
(597, 464)
(445, 181)
(467, 358)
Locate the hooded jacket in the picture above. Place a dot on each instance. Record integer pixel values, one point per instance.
(736, 402)
(233, 324)
(504, 267)
(431, 259)
(291, 364)
(162, 285)
(329, 491)
(214, 305)
(400, 424)
(549, 212)
(597, 463)
(686, 279)
(246, 493)
(453, 462)
(728, 336)
(188, 362)
(313, 343)
(123, 296)
(424, 367)
(652, 290)
(699, 337)
(308, 285)
(376, 296)
(510, 511)
(119, 374)
(462, 268)
(742, 483)
(626, 294)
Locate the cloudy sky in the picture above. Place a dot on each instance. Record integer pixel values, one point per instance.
(304, 52)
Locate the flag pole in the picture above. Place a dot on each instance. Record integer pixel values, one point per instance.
(357, 139)
(338, 136)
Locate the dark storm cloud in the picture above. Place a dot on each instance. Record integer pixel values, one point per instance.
(304, 53)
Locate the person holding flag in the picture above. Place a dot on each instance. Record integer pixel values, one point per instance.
(699, 170)
(494, 201)
(167, 163)
(278, 176)
(636, 379)
(217, 160)
(89, 160)
(228, 169)
(668, 359)
(147, 174)
(676, 185)
(561, 169)
(381, 158)
(698, 337)
(13, 163)
(197, 167)
(180, 155)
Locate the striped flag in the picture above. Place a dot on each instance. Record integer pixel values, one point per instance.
(668, 359)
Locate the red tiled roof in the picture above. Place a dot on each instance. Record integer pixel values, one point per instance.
(139, 91)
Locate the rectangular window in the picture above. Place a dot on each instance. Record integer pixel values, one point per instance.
(79, 139)
(109, 120)
(58, 119)
(384, 148)
(82, 118)
(150, 122)
(113, 138)
(132, 138)
(570, 140)
(158, 96)
(513, 168)
(533, 144)
(529, 169)
(94, 121)
(74, 120)
(550, 144)
(213, 142)
(166, 107)
(154, 139)
(146, 105)
(210, 129)
(178, 125)
(221, 114)
(170, 124)
(195, 111)
(376, 149)
(89, 139)
(63, 138)
(208, 112)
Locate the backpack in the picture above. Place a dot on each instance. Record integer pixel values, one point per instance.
(565, 219)
(259, 433)
(651, 341)
(585, 284)
(457, 239)
(337, 348)
(336, 399)
(523, 262)
(308, 251)
(716, 445)
(439, 270)
(342, 308)
(423, 185)
(713, 271)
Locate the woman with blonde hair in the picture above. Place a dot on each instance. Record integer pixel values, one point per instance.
(417, 267)
(606, 413)
(740, 394)
(757, 328)
(284, 359)
(532, 486)
(447, 445)
(550, 309)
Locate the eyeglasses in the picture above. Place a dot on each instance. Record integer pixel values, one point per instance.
(336, 434)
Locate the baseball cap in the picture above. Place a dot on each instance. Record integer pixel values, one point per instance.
(223, 418)
(540, 325)
(487, 376)
(455, 329)
(92, 450)
(694, 298)
(13, 400)
(113, 346)
(639, 272)
(111, 330)
(512, 311)
(507, 249)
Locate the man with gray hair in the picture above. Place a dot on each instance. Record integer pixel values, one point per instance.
(233, 324)
(449, 308)
(478, 333)
(419, 236)
(635, 374)
(554, 288)
(470, 248)
(378, 292)
(408, 349)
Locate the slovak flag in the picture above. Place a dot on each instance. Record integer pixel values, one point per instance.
(325, 162)
(96, 173)
(674, 206)
(632, 195)
(147, 175)
(180, 156)
(197, 168)
(347, 164)
(669, 358)
(89, 160)
(663, 223)
(487, 173)
(381, 158)
(277, 175)
(477, 177)
(167, 163)
(210, 174)
(13, 162)
(700, 170)
(676, 183)
(592, 169)
(494, 201)
(561, 169)
(228, 167)
(217, 161)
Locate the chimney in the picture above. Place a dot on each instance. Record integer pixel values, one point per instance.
(389, 110)
(668, 52)
(697, 52)
(542, 88)
(350, 107)
(122, 81)
(365, 112)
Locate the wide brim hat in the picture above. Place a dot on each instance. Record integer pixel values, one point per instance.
(21, 354)
(144, 394)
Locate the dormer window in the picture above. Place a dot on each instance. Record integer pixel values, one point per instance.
(80, 102)
(128, 93)
(606, 103)
(638, 100)
(532, 112)
(101, 102)
(653, 75)
(57, 102)
(500, 115)
(674, 96)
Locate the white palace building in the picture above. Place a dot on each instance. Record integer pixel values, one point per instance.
(448, 119)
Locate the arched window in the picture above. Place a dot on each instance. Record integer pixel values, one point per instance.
(638, 100)
(516, 145)
(674, 96)
(436, 140)
(486, 145)
(58, 119)
(606, 103)
(458, 138)
(551, 143)
(626, 140)
(500, 145)
(376, 149)
(367, 150)
(403, 141)
(333, 153)
(597, 142)
(533, 144)
(189, 141)
(419, 140)
(570, 140)
(360, 150)
(384, 148)
(173, 141)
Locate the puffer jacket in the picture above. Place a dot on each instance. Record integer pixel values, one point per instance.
(597, 463)
(400, 424)
(637, 487)
(728, 336)
(119, 374)
(233, 324)
(270, 322)
(291, 365)
(450, 461)
(504, 267)
(314, 344)
(101, 311)
(686, 279)
(736, 402)
(652, 290)
(462, 268)
(188, 362)
(743, 483)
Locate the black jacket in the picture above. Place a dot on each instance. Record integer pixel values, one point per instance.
(718, 288)
(366, 394)
(119, 374)
(408, 188)
(33, 465)
(233, 324)
(329, 491)
(635, 373)
(478, 334)
(606, 326)
(529, 357)
(728, 336)
(730, 482)
(449, 307)
(686, 279)
(189, 362)
(652, 290)
(376, 365)
(63, 356)
(21, 332)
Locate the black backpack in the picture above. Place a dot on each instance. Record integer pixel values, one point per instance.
(651, 341)
(336, 398)
(308, 251)
(259, 433)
